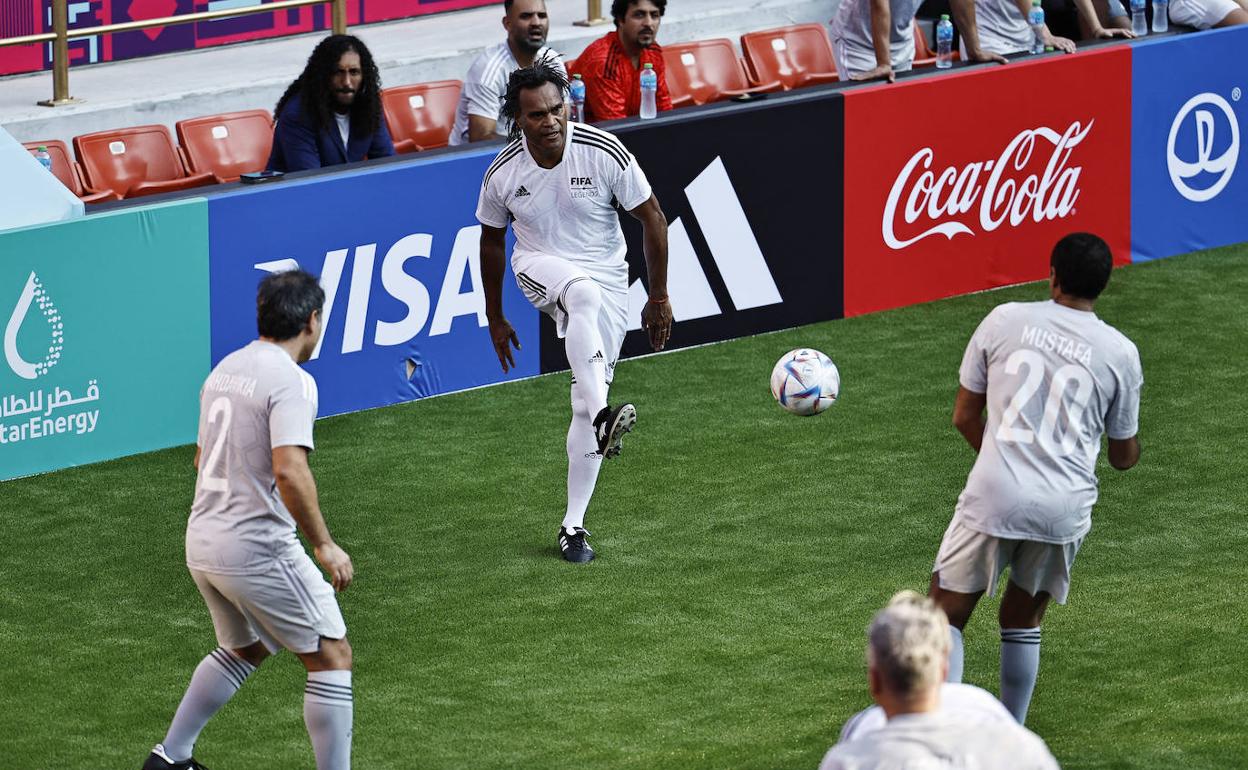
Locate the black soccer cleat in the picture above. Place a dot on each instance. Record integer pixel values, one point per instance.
(574, 546)
(159, 760)
(610, 426)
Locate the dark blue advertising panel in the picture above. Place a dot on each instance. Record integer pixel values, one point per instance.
(1189, 183)
(397, 251)
(753, 198)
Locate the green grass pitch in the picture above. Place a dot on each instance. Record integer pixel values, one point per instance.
(741, 553)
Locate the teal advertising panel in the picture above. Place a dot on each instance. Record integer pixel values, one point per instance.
(106, 341)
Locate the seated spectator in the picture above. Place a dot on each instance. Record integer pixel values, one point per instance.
(611, 65)
(1205, 14)
(992, 29)
(477, 118)
(907, 660)
(873, 38)
(331, 114)
(1101, 19)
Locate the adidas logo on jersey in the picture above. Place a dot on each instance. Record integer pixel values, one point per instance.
(521, 192)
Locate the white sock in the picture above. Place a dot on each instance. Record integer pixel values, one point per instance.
(217, 677)
(584, 462)
(1020, 663)
(955, 655)
(583, 344)
(328, 706)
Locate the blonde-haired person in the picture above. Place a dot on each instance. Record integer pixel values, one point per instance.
(907, 660)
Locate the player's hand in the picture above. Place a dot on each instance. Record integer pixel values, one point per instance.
(336, 563)
(981, 55)
(1109, 34)
(503, 337)
(1063, 44)
(882, 71)
(656, 319)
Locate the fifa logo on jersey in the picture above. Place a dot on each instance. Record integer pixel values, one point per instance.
(1206, 109)
(713, 202)
(33, 293)
(1008, 195)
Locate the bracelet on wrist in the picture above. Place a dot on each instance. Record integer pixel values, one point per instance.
(654, 301)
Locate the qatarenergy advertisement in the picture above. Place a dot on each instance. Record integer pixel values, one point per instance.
(105, 336)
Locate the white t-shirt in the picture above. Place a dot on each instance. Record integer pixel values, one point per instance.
(938, 742)
(344, 127)
(854, 45)
(965, 703)
(568, 211)
(1056, 379)
(1003, 28)
(485, 87)
(255, 400)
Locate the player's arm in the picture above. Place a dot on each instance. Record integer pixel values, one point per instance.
(493, 264)
(1060, 43)
(968, 416)
(968, 27)
(656, 316)
(298, 491)
(881, 25)
(1124, 453)
(481, 129)
(1095, 28)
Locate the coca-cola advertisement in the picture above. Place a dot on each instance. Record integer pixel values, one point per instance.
(964, 182)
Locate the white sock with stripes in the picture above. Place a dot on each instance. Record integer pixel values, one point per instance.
(584, 462)
(328, 706)
(1020, 663)
(583, 344)
(217, 677)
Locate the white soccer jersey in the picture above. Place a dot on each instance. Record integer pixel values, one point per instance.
(855, 47)
(567, 211)
(1003, 27)
(1056, 379)
(963, 703)
(911, 741)
(485, 86)
(255, 400)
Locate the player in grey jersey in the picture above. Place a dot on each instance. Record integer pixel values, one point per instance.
(253, 488)
(1053, 378)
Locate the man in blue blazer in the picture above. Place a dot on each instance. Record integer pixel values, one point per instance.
(332, 113)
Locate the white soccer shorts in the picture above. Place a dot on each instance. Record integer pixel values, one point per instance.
(544, 279)
(971, 561)
(289, 607)
(1201, 14)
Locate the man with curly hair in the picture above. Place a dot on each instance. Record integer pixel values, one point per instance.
(331, 114)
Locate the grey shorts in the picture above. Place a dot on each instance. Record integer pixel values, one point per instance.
(971, 561)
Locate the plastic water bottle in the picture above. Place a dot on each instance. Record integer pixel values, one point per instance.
(576, 90)
(1036, 20)
(1161, 19)
(649, 91)
(44, 158)
(1139, 22)
(944, 42)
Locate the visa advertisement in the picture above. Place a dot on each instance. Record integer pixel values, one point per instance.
(1189, 184)
(396, 248)
(964, 182)
(105, 348)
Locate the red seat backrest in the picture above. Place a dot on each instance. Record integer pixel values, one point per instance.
(704, 69)
(424, 112)
(229, 144)
(788, 53)
(121, 159)
(62, 163)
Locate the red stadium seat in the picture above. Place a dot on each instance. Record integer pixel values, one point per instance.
(421, 116)
(924, 56)
(69, 172)
(227, 145)
(706, 71)
(797, 56)
(135, 161)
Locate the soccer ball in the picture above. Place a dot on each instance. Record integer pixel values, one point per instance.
(805, 382)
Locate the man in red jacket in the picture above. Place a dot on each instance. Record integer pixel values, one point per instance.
(611, 65)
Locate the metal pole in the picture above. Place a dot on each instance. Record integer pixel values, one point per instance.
(340, 17)
(593, 14)
(60, 55)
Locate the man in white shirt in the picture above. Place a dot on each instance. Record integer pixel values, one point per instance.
(907, 657)
(1054, 378)
(558, 184)
(253, 488)
(478, 116)
(992, 29)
